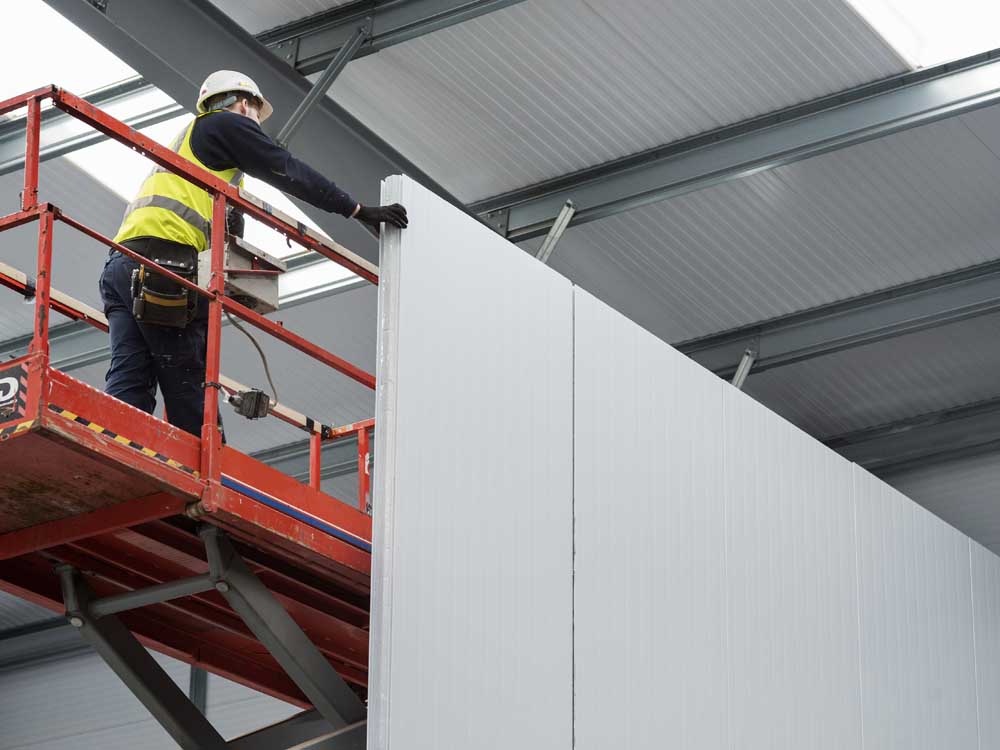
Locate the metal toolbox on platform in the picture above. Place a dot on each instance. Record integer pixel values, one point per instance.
(251, 274)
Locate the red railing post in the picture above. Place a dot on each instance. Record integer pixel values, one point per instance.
(43, 284)
(211, 437)
(315, 459)
(29, 197)
(364, 478)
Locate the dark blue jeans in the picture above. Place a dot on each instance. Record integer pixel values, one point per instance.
(144, 356)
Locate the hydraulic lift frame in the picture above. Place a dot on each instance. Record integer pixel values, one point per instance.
(145, 535)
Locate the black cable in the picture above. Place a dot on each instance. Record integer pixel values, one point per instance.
(263, 357)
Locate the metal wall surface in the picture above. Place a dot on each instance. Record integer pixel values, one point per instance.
(471, 583)
(986, 609)
(649, 565)
(735, 583)
(791, 584)
(846, 610)
(917, 646)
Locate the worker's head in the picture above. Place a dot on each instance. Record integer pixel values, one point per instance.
(228, 89)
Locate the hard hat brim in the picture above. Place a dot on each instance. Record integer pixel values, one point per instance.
(265, 109)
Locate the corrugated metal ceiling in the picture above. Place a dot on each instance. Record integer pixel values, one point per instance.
(882, 213)
(547, 87)
(886, 381)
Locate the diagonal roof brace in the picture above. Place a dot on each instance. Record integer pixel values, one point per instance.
(337, 64)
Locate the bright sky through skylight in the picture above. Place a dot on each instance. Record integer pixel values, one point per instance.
(62, 54)
(928, 32)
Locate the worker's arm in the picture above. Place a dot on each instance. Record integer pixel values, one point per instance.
(226, 139)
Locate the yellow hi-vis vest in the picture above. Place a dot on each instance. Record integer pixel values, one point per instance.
(170, 207)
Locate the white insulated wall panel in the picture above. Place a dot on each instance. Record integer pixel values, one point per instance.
(986, 614)
(737, 584)
(791, 584)
(917, 652)
(472, 571)
(584, 540)
(649, 566)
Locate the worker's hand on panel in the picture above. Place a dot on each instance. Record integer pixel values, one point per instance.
(394, 215)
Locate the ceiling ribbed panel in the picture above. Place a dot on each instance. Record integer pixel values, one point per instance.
(870, 385)
(901, 208)
(547, 87)
(259, 15)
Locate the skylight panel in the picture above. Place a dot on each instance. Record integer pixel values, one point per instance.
(929, 32)
(32, 60)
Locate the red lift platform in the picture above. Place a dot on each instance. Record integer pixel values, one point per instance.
(141, 533)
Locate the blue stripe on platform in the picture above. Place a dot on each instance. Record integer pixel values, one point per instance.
(288, 510)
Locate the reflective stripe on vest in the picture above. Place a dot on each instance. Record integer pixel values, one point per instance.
(171, 208)
(189, 215)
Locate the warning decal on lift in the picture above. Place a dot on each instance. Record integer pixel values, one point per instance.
(121, 439)
(13, 393)
(14, 429)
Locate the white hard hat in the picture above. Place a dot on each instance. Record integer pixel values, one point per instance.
(224, 81)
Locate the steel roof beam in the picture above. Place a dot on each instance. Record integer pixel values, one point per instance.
(306, 45)
(929, 438)
(833, 122)
(174, 45)
(310, 43)
(918, 306)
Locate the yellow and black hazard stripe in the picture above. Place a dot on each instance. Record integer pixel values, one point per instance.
(93, 426)
(14, 429)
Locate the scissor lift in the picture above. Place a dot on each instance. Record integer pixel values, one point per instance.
(144, 535)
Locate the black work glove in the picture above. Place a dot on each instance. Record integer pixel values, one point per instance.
(394, 215)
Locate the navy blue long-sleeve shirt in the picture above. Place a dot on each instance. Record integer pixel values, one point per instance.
(224, 140)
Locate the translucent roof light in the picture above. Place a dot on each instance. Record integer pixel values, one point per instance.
(928, 32)
(31, 60)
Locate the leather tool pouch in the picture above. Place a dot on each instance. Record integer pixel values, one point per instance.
(157, 300)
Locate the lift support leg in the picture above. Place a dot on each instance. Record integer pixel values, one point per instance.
(339, 719)
(279, 633)
(137, 668)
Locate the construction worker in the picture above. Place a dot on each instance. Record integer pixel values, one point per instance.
(158, 330)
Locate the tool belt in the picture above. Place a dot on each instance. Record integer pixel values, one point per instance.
(157, 300)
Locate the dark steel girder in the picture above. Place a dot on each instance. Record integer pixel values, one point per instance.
(917, 306)
(310, 43)
(944, 435)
